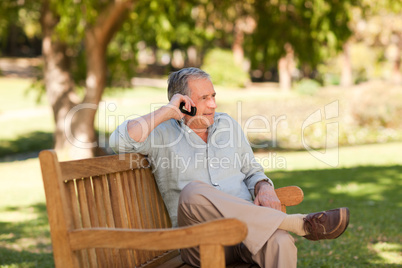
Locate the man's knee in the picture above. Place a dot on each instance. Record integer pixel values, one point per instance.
(195, 205)
(279, 251)
(193, 191)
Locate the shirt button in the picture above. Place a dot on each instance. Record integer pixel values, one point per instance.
(189, 131)
(215, 184)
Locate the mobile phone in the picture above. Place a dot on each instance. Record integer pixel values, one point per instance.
(192, 112)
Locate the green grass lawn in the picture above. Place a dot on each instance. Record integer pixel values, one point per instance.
(373, 195)
(366, 178)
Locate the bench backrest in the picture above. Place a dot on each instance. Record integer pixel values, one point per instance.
(116, 191)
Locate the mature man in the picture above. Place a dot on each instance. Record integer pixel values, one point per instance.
(205, 169)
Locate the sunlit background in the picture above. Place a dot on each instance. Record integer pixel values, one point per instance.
(316, 86)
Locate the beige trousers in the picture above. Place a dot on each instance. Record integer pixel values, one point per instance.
(264, 245)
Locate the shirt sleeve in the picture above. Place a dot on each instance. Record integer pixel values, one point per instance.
(121, 142)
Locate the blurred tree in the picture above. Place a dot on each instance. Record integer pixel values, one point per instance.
(19, 27)
(78, 44)
(379, 25)
(172, 27)
(346, 72)
(78, 48)
(307, 30)
(67, 26)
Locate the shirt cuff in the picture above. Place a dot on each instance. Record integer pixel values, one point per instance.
(258, 179)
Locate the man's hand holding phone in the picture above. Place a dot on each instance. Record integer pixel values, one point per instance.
(181, 105)
(192, 112)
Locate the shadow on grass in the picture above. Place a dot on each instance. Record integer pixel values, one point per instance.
(25, 237)
(373, 196)
(25, 146)
(30, 144)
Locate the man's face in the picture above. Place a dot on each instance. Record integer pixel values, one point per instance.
(202, 93)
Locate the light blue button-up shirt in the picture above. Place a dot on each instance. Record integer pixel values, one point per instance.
(179, 156)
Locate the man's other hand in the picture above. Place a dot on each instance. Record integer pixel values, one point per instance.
(266, 196)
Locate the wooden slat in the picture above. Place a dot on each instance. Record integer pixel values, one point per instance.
(60, 219)
(76, 215)
(128, 210)
(155, 206)
(101, 165)
(119, 213)
(109, 215)
(149, 210)
(212, 256)
(101, 209)
(128, 200)
(85, 217)
(223, 232)
(107, 201)
(93, 215)
(163, 213)
(136, 222)
(145, 256)
(139, 255)
(142, 255)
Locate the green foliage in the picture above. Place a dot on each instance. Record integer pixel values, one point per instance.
(166, 24)
(220, 65)
(315, 29)
(21, 14)
(75, 17)
(366, 64)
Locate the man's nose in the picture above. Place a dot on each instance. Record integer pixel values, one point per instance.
(212, 104)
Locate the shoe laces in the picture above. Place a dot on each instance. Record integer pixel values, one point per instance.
(315, 221)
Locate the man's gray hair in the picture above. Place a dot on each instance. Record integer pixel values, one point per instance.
(178, 81)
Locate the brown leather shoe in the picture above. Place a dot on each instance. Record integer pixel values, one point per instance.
(328, 224)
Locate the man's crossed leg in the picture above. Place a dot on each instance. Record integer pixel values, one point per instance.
(268, 243)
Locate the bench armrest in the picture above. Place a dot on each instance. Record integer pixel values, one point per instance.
(223, 232)
(289, 196)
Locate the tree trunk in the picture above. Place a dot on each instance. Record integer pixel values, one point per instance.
(396, 65)
(75, 133)
(97, 39)
(346, 75)
(237, 47)
(58, 81)
(285, 68)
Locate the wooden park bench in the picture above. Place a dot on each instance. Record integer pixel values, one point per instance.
(108, 212)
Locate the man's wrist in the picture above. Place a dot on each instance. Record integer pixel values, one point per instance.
(258, 185)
